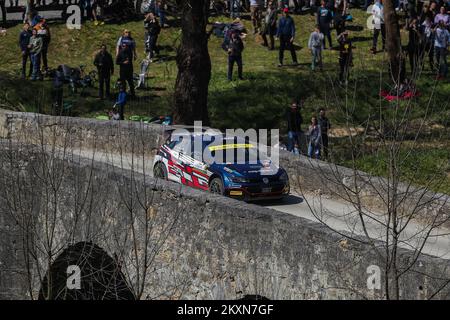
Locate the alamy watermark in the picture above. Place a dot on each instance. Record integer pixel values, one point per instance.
(374, 278)
(234, 146)
(73, 22)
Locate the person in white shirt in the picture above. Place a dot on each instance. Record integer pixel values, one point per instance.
(441, 42)
(378, 21)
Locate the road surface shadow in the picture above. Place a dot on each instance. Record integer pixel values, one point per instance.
(289, 200)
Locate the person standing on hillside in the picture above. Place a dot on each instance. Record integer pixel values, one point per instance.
(44, 33)
(315, 139)
(294, 126)
(270, 25)
(152, 30)
(125, 61)
(441, 42)
(345, 57)
(234, 47)
(35, 47)
(256, 7)
(324, 17)
(315, 45)
(127, 39)
(378, 23)
(234, 7)
(3, 8)
(325, 125)
(24, 41)
(105, 67)
(286, 34)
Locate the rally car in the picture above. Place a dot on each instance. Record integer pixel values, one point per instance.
(253, 177)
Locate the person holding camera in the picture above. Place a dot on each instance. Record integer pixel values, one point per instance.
(234, 47)
(105, 67)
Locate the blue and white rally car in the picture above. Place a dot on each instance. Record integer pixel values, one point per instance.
(232, 169)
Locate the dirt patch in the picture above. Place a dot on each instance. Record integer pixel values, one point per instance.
(345, 132)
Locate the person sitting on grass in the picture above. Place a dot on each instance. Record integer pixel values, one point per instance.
(114, 114)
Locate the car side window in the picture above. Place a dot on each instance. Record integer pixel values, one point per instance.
(182, 145)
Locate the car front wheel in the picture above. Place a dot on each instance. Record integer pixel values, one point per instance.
(216, 186)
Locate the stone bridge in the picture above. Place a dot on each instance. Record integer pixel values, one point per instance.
(170, 241)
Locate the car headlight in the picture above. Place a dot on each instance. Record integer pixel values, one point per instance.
(284, 177)
(239, 180)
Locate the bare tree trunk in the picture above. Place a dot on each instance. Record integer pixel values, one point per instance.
(393, 42)
(194, 64)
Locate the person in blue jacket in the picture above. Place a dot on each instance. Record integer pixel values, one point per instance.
(286, 34)
(324, 17)
(24, 41)
(121, 99)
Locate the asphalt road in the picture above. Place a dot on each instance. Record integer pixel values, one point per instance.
(337, 215)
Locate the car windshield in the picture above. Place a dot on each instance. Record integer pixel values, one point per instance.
(232, 152)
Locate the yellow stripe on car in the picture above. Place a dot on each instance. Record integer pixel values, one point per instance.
(231, 146)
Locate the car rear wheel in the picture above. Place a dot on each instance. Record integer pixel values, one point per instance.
(159, 171)
(216, 186)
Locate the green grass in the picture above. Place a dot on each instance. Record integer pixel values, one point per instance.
(260, 100)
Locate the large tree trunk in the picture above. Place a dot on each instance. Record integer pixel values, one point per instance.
(194, 64)
(393, 42)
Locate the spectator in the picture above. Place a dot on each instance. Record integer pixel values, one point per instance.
(270, 25)
(127, 39)
(315, 138)
(315, 45)
(367, 4)
(256, 7)
(426, 13)
(378, 21)
(340, 14)
(441, 42)
(286, 34)
(114, 114)
(3, 8)
(297, 6)
(234, 47)
(105, 68)
(96, 5)
(85, 6)
(325, 125)
(234, 8)
(345, 57)
(24, 41)
(294, 125)
(434, 9)
(58, 90)
(121, 100)
(35, 47)
(427, 42)
(442, 16)
(125, 61)
(413, 46)
(29, 11)
(152, 30)
(324, 17)
(161, 12)
(44, 33)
